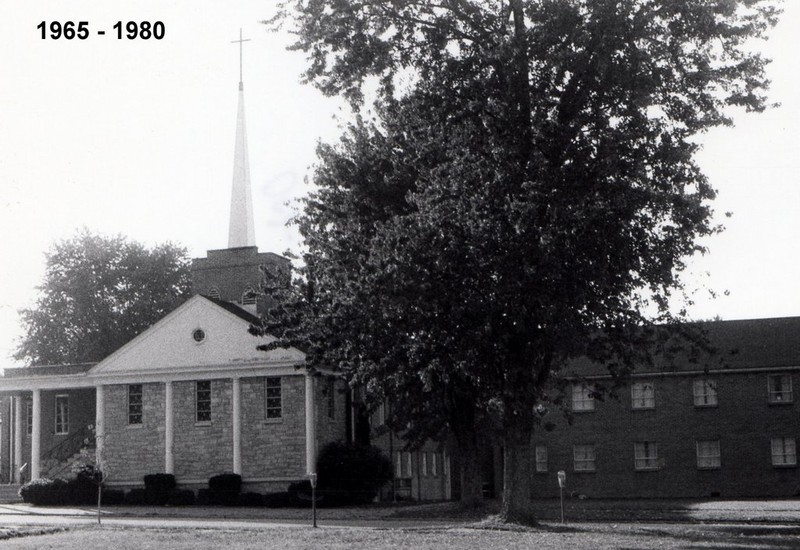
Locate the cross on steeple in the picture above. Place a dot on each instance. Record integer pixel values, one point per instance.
(240, 41)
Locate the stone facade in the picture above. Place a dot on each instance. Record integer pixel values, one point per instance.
(133, 451)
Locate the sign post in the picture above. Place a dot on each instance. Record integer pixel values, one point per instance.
(562, 481)
(314, 499)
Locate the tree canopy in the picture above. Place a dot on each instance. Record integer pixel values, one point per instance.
(525, 195)
(98, 293)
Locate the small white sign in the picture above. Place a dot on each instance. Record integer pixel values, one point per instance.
(562, 478)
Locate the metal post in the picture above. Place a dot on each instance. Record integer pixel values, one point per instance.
(313, 499)
(562, 480)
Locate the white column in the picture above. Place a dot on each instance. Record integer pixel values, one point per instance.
(237, 426)
(99, 424)
(17, 461)
(311, 426)
(36, 434)
(169, 434)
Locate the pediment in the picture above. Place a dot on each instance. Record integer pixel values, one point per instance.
(198, 334)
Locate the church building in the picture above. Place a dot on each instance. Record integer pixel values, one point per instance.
(191, 395)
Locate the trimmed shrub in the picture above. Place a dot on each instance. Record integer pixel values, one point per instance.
(159, 487)
(277, 500)
(225, 489)
(251, 499)
(136, 497)
(159, 482)
(203, 497)
(181, 497)
(45, 492)
(351, 474)
(83, 489)
(299, 494)
(113, 497)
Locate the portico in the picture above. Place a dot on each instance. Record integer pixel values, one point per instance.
(168, 402)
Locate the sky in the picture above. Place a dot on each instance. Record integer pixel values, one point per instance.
(136, 138)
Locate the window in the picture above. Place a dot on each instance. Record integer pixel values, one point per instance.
(425, 464)
(643, 395)
(274, 400)
(198, 335)
(708, 455)
(134, 404)
(784, 452)
(582, 398)
(705, 393)
(541, 458)
(214, 293)
(202, 403)
(249, 296)
(62, 414)
(331, 391)
(378, 416)
(402, 464)
(28, 417)
(780, 388)
(645, 455)
(434, 464)
(583, 456)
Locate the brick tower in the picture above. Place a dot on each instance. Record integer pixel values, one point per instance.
(235, 274)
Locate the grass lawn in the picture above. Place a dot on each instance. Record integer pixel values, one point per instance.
(577, 537)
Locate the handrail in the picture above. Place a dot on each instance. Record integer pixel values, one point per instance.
(71, 445)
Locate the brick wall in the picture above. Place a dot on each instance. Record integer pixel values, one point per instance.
(744, 423)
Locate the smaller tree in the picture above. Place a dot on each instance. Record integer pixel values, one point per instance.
(92, 469)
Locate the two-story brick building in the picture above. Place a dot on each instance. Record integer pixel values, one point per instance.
(726, 425)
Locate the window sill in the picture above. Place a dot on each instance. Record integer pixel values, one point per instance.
(584, 471)
(709, 468)
(269, 421)
(61, 433)
(582, 411)
(780, 403)
(784, 466)
(714, 406)
(135, 426)
(643, 408)
(203, 424)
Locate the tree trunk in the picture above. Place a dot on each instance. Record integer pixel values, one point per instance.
(470, 466)
(517, 504)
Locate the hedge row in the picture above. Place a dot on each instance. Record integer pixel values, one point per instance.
(348, 475)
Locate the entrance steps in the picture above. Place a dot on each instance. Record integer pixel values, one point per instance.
(9, 494)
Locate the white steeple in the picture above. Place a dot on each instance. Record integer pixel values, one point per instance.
(241, 230)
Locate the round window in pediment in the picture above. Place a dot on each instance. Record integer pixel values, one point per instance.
(198, 335)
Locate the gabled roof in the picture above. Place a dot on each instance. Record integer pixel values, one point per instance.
(202, 336)
(235, 309)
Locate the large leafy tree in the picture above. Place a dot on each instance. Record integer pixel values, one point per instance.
(98, 293)
(537, 198)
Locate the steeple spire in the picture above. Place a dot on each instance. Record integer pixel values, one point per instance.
(241, 230)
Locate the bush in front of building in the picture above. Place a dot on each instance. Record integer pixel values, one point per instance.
(351, 474)
(113, 497)
(250, 500)
(54, 492)
(45, 492)
(224, 489)
(277, 500)
(158, 488)
(136, 497)
(181, 497)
